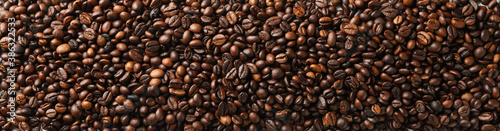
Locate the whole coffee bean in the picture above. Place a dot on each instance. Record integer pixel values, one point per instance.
(135, 55)
(219, 39)
(325, 21)
(272, 21)
(351, 29)
(458, 23)
(433, 24)
(232, 18)
(467, 10)
(51, 113)
(404, 31)
(479, 52)
(251, 65)
(63, 48)
(298, 9)
(390, 12)
(463, 111)
(89, 34)
(423, 38)
(376, 109)
(85, 18)
(377, 28)
(321, 3)
(243, 71)
(152, 47)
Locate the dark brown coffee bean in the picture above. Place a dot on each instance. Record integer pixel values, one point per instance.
(479, 52)
(390, 12)
(321, 3)
(325, 21)
(351, 29)
(219, 39)
(452, 31)
(404, 31)
(486, 116)
(281, 58)
(423, 38)
(298, 9)
(89, 34)
(135, 55)
(463, 111)
(85, 18)
(458, 23)
(467, 10)
(231, 17)
(152, 47)
(243, 71)
(232, 74)
(263, 35)
(174, 21)
(272, 21)
(377, 28)
(433, 24)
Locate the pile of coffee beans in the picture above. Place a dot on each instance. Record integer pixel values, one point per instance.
(289, 65)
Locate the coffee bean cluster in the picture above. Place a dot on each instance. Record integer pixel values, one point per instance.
(289, 65)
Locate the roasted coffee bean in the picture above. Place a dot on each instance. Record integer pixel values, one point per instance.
(251, 65)
(135, 55)
(404, 31)
(298, 9)
(219, 39)
(377, 28)
(423, 38)
(351, 29)
(325, 20)
(321, 3)
(89, 34)
(272, 21)
(390, 12)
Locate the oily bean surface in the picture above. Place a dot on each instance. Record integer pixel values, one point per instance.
(288, 65)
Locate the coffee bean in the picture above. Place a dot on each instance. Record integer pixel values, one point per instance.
(467, 10)
(458, 23)
(376, 109)
(390, 12)
(256, 64)
(398, 20)
(174, 21)
(232, 74)
(219, 39)
(479, 52)
(89, 34)
(85, 18)
(463, 111)
(433, 24)
(351, 29)
(404, 31)
(298, 9)
(486, 116)
(423, 38)
(263, 35)
(232, 18)
(281, 58)
(51, 113)
(135, 55)
(63, 48)
(272, 21)
(325, 21)
(243, 71)
(152, 47)
(377, 28)
(321, 3)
